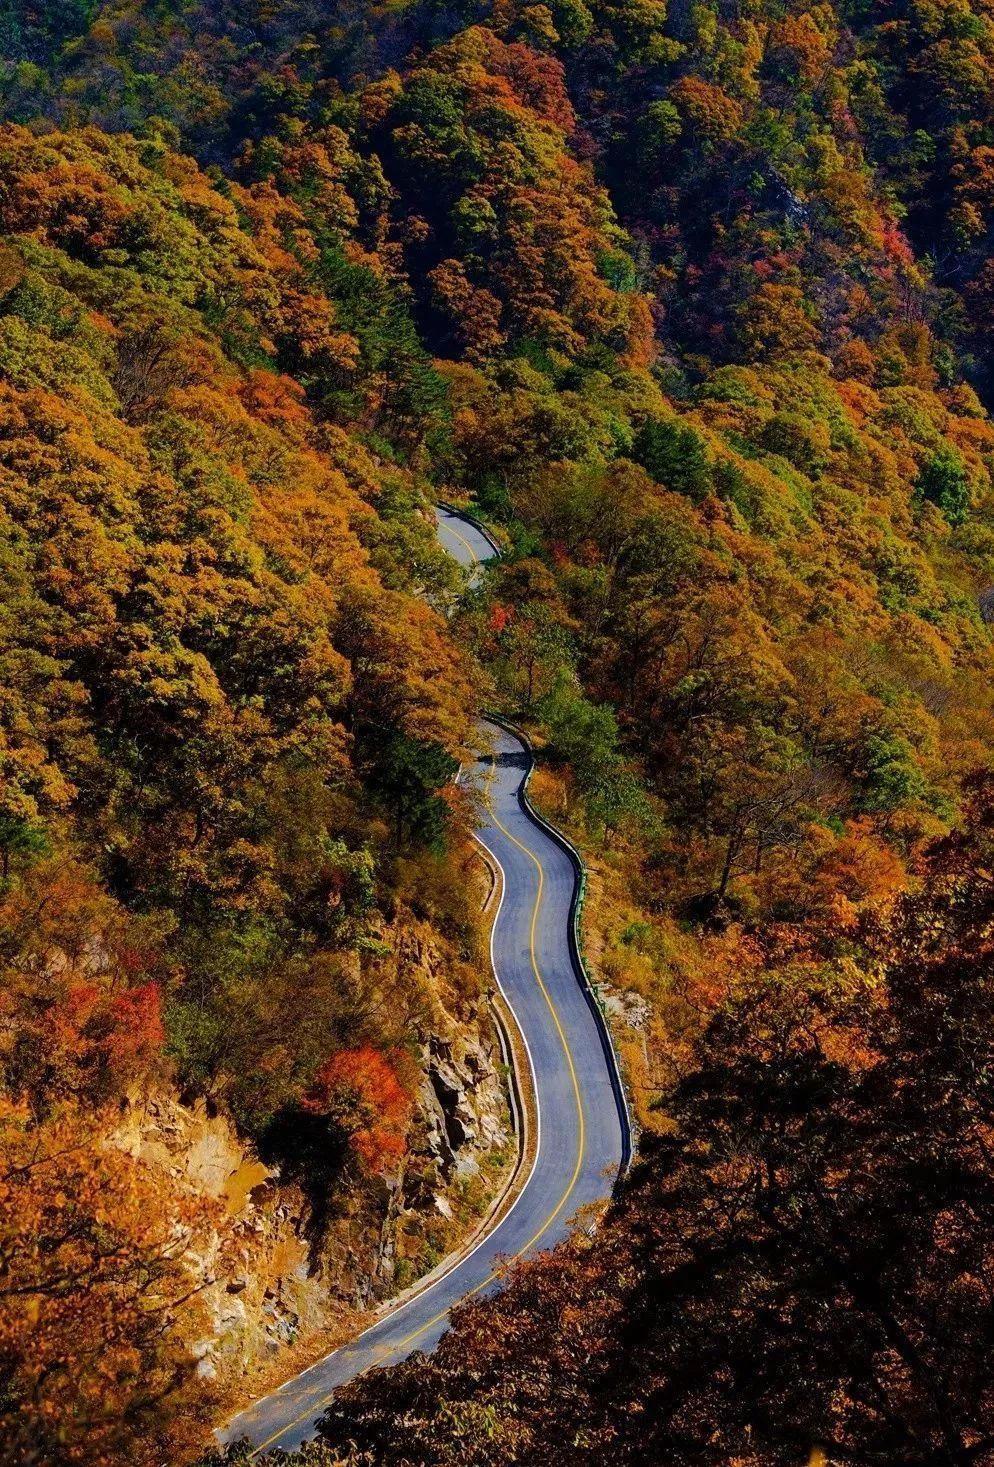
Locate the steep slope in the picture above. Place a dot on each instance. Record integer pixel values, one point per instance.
(796, 1272)
(582, 1129)
(227, 883)
(692, 302)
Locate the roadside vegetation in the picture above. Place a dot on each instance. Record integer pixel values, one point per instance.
(694, 308)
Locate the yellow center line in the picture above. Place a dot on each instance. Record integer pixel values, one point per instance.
(464, 543)
(581, 1130)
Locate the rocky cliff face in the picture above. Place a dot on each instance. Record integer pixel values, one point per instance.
(256, 1285)
(264, 1284)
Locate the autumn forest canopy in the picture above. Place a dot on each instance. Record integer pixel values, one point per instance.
(693, 305)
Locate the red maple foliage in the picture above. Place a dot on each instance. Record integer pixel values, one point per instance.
(359, 1091)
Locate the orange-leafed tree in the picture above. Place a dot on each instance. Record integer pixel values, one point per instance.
(802, 1262)
(359, 1092)
(95, 1297)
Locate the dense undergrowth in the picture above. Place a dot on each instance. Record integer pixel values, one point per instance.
(796, 1272)
(694, 306)
(226, 722)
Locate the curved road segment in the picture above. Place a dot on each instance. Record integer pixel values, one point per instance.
(463, 540)
(582, 1133)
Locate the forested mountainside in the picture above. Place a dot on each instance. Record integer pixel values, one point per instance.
(229, 715)
(798, 1272)
(693, 304)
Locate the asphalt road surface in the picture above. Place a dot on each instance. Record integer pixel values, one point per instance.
(464, 541)
(582, 1131)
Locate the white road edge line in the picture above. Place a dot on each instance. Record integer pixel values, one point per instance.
(564, 842)
(464, 1258)
(577, 954)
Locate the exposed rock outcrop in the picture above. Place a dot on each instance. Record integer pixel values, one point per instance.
(261, 1285)
(255, 1285)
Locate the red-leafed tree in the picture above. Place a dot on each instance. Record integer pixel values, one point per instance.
(359, 1093)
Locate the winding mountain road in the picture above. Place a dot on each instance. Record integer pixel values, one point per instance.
(582, 1129)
